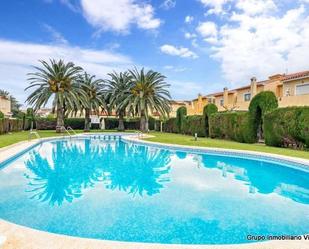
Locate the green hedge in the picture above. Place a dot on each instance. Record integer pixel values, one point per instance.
(170, 125)
(231, 125)
(181, 115)
(78, 123)
(260, 105)
(195, 124)
(207, 111)
(10, 125)
(287, 127)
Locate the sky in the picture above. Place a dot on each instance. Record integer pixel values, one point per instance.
(201, 46)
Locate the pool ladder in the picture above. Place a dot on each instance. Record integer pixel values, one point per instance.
(34, 133)
(67, 130)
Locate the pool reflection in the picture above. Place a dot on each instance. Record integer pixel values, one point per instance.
(141, 170)
(77, 166)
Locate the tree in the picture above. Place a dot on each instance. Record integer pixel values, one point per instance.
(117, 91)
(14, 103)
(94, 96)
(56, 80)
(149, 93)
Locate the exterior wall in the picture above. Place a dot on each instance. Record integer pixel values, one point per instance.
(291, 86)
(5, 106)
(300, 100)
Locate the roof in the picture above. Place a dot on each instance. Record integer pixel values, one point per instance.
(295, 76)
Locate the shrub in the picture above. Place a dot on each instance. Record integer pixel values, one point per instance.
(261, 104)
(195, 124)
(1, 115)
(181, 119)
(170, 125)
(75, 123)
(231, 125)
(287, 127)
(207, 111)
(9, 125)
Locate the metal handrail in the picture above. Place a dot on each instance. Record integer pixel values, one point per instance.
(64, 129)
(69, 128)
(34, 133)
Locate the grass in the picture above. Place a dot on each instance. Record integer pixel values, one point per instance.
(171, 138)
(15, 137)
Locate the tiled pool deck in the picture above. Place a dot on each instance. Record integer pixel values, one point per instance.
(13, 236)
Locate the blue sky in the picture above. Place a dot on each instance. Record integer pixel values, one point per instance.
(200, 45)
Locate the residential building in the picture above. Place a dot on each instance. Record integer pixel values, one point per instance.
(290, 89)
(5, 106)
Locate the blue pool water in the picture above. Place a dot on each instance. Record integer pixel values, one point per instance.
(115, 190)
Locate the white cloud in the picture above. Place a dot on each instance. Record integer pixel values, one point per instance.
(17, 57)
(189, 35)
(261, 43)
(168, 4)
(189, 19)
(56, 36)
(175, 69)
(178, 51)
(119, 15)
(215, 6)
(253, 7)
(208, 30)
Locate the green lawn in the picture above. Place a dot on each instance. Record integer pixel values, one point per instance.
(16, 137)
(170, 138)
(216, 143)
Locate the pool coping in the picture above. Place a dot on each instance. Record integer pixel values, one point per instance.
(17, 236)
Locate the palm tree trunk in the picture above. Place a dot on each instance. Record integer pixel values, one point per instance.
(143, 122)
(121, 122)
(87, 120)
(60, 119)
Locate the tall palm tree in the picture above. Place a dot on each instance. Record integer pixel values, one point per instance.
(56, 80)
(94, 96)
(117, 90)
(149, 93)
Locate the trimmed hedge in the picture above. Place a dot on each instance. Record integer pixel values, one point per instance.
(181, 119)
(195, 124)
(10, 125)
(207, 111)
(261, 104)
(231, 125)
(287, 127)
(79, 123)
(170, 125)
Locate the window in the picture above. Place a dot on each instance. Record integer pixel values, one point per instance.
(221, 102)
(302, 89)
(247, 96)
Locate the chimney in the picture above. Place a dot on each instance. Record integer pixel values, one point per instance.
(225, 96)
(253, 87)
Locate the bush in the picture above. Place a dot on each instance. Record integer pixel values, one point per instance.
(261, 104)
(181, 119)
(75, 123)
(1, 115)
(46, 123)
(287, 127)
(231, 125)
(195, 124)
(207, 111)
(10, 125)
(170, 125)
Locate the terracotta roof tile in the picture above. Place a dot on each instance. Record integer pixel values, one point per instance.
(295, 75)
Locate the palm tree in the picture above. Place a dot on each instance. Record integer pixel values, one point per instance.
(117, 90)
(56, 80)
(148, 94)
(94, 96)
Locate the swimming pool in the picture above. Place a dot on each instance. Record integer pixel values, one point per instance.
(118, 190)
